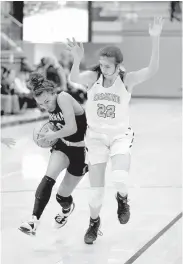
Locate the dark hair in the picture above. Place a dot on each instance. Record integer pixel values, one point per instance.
(43, 61)
(4, 69)
(39, 84)
(112, 52)
(24, 71)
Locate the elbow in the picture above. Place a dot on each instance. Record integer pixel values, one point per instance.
(72, 130)
(73, 79)
(153, 69)
(156, 68)
(154, 65)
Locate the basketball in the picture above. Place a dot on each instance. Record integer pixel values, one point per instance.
(43, 128)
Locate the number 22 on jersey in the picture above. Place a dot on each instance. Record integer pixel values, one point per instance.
(106, 111)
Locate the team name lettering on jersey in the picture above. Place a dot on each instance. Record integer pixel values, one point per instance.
(107, 96)
(56, 117)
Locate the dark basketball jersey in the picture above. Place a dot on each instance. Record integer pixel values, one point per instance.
(57, 119)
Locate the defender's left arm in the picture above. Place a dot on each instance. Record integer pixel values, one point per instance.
(136, 77)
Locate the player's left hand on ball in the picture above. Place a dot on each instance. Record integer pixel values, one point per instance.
(49, 135)
(156, 28)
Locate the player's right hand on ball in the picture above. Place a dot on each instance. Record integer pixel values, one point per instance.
(75, 48)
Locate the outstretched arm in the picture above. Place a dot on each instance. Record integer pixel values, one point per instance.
(87, 77)
(134, 78)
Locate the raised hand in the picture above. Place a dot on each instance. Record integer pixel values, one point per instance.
(156, 28)
(76, 49)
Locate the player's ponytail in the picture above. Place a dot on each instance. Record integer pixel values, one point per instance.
(38, 84)
(122, 74)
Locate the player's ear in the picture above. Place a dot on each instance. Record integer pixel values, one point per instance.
(118, 67)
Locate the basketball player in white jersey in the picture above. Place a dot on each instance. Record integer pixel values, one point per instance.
(109, 133)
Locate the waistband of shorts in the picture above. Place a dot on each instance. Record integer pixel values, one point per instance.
(74, 144)
(112, 132)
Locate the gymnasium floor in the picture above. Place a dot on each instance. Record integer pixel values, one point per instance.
(153, 235)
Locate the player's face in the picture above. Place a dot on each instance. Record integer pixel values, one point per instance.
(47, 101)
(107, 66)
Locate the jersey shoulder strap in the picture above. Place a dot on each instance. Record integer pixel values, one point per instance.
(122, 75)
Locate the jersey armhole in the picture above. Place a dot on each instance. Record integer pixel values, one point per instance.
(89, 86)
(122, 77)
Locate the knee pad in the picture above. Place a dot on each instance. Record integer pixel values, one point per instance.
(65, 202)
(44, 189)
(96, 196)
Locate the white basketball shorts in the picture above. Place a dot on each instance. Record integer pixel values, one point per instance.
(102, 146)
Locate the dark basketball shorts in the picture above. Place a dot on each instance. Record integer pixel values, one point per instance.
(76, 156)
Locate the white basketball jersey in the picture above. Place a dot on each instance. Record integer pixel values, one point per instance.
(107, 109)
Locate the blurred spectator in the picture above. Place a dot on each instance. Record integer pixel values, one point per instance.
(11, 79)
(25, 66)
(9, 102)
(15, 96)
(175, 10)
(58, 72)
(4, 81)
(20, 82)
(76, 90)
(66, 61)
(53, 71)
(23, 92)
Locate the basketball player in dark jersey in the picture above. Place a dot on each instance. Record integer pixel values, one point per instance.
(68, 116)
